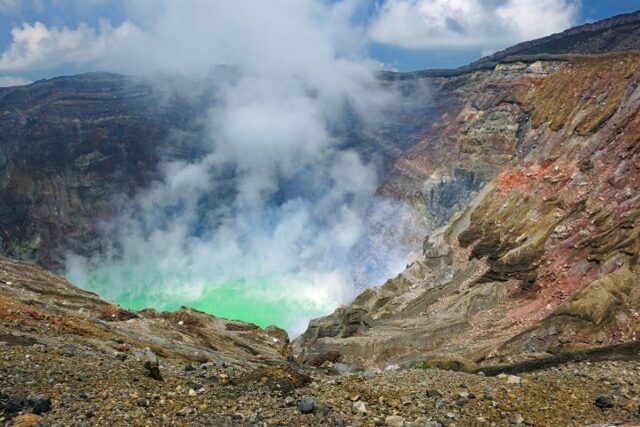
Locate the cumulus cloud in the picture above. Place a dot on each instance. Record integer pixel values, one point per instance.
(484, 24)
(36, 46)
(181, 37)
(277, 203)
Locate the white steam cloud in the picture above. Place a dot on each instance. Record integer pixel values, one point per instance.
(278, 199)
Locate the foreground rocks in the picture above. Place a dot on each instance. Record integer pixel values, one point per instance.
(89, 387)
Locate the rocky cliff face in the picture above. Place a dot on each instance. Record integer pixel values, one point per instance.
(68, 147)
(474, 128)
(545, 256)
(476, 132)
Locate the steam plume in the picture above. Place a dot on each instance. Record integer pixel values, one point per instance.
(262, 226)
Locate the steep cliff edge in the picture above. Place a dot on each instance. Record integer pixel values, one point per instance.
(69, 146)
(474, 128)
(545, 257)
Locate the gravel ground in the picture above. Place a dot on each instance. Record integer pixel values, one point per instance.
(87, 387)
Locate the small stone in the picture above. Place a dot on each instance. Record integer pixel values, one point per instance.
(39, 403)
(185, 411)
(359, 407)
(434, 393)
(604, 401)
(516, 419)
(440, 404)
(152, 367)
(392, 368)
(192, 392)
(394, 421)
(194, 385)
(420, 421)
(189, 368)
(514, 379)
(307, 405)
(15, 404)
(289, 401)
(461, 402)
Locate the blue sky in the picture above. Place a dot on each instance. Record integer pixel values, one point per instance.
(86, 35)
(411, 59)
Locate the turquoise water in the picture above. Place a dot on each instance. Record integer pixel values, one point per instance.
(262, 301)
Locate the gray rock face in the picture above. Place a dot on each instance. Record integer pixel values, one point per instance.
(39, 403)
(307, 405)
(605, 401)
(70, 146)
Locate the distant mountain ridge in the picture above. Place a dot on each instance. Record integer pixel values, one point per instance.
(616, 34)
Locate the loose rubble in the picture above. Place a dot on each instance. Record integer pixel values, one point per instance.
(90, 387)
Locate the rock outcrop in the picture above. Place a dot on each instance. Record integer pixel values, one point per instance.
(37, 307)
(545, 256)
